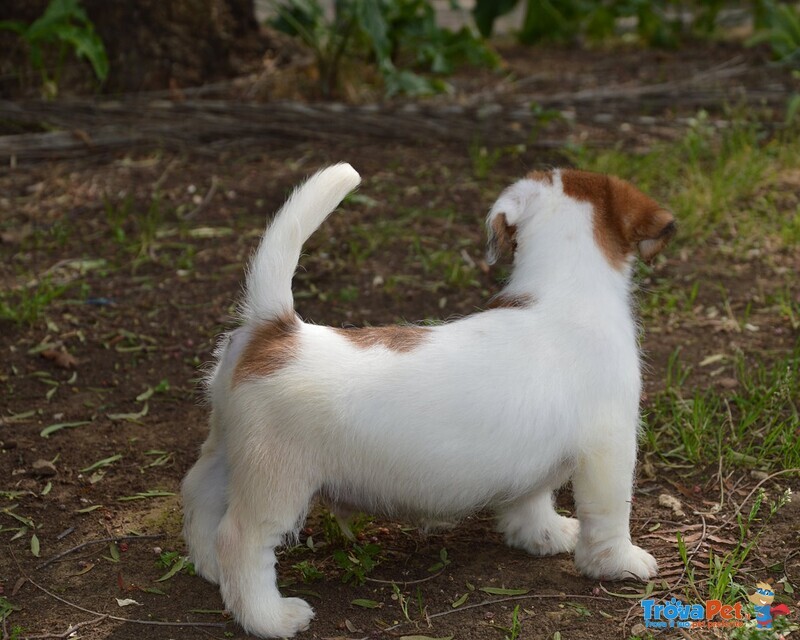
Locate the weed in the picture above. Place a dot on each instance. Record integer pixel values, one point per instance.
(513, 632)
(308, 572)
(722, 569)
(63, 26)
(385, 30)
(443, 562)
(567, 20)
(7, 608)
(357, 562)
(780, 28)
(402, 601)
(27, 305)
(175, 563)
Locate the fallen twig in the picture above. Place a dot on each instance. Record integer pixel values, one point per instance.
(153, 623)
(485, 603)
(100, 541)
(70, 630)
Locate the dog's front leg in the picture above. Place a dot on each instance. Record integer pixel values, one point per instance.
(603, 484)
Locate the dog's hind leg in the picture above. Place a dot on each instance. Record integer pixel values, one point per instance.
(204, 492)
(265, 506)
(603, 485)
(532, 524)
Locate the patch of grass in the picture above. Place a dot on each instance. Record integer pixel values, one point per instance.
(714, 179)
(723, 569)
(28, 304)
(666, 298)
(755, 425)
(137, 230)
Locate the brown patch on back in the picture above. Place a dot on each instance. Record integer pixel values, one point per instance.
(509, 301)
(395, 338)
(624, 218)
(270, 348)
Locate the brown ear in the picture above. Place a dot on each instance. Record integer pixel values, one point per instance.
(644, 224)
(625, 219)
(656, 233)
(501, 237)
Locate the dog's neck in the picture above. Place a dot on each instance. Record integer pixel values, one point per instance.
(560, 264)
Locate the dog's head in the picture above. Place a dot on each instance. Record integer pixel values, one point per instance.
(624, 220)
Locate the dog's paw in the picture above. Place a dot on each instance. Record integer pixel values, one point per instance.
(617, 561)
(558, 535)
(282, 618)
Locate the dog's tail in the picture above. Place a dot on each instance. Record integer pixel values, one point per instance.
(268, 291)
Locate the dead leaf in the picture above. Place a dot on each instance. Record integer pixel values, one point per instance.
(87, 567)
(18, 585)
(124, 602)
(61, 358)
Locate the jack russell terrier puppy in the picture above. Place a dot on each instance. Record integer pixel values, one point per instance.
(496, 410)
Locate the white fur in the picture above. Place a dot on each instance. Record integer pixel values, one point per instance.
(495, 410)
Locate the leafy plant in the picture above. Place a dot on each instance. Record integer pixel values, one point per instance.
(357, 562)
(566, 20)
(175, 563)
(780, 28)
(390, 33)
(66, 26)
(308, 572)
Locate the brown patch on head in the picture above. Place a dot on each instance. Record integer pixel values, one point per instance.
(625, 219)
(541, 176)
(395, 338)
(502, 237)
(510, 301)
(271, 347)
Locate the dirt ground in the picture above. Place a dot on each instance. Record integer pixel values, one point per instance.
(118, 356)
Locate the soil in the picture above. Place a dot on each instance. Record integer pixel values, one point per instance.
(144, 303)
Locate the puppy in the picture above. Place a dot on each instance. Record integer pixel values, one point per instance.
(495, 410)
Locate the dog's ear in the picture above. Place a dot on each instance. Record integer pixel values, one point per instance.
(646, 225)
(501, 225)
(625, 219)
(501, 237)
(659, 229)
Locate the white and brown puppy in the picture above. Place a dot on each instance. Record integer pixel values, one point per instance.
(495, 410)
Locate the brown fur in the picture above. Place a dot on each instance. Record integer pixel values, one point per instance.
(507, 301)
(541, 176)
(271, 347)
(624, 218)
(395, 338)
(503, 236)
